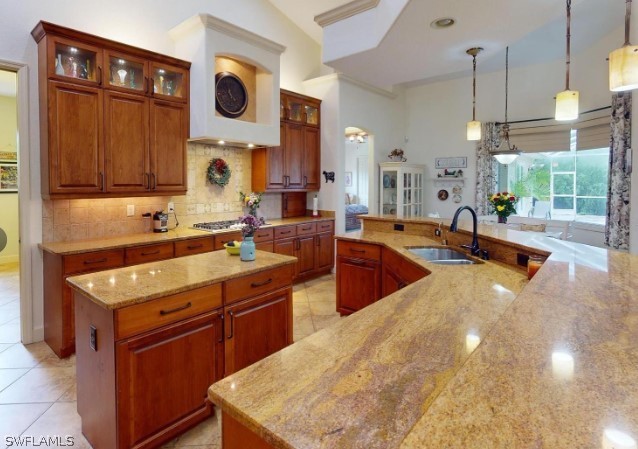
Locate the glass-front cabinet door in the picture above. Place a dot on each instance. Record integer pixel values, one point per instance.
(168, 82)
(70, 61)
(125, 72)
(401, 192)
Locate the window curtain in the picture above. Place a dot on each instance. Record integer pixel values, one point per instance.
(486, 166)
(618, 193)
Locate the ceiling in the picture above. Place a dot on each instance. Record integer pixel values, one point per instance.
(411, 52)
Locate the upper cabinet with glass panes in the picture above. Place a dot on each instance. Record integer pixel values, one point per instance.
(72, 61)
(300, 109)
(79, 58)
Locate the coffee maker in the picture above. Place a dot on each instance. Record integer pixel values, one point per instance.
(160, 221)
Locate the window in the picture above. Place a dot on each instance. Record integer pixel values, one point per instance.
(565, 185)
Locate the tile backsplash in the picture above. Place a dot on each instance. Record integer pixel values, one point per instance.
(68, 220)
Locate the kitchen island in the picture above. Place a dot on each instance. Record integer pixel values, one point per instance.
(151, 338)
(471, 356)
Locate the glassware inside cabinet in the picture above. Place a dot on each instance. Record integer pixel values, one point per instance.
(125, 73)
(168, 82)
(75, 62)
(295, 111)
(282, 110)
(312, 115)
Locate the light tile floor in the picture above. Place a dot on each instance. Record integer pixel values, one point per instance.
(37, 390)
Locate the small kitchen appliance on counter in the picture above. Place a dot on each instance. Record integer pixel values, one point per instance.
(160, 221)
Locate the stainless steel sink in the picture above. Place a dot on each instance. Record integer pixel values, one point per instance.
(442, 255)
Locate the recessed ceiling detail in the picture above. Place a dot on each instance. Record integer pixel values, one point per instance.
(345, 11)
(443, 22)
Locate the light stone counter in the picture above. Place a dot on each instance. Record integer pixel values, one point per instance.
(181, 233)
(556, 365)
(121, 287)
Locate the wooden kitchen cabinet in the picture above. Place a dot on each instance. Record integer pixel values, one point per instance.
(114, 118)
(256, 328)
(294, 165)
(179, 362)
(72, 161)
(358, 276)
(398, 272)
(324, 251)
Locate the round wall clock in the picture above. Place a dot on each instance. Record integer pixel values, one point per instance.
(231, 97)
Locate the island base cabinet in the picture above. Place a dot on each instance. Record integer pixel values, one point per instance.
(162, 378)
(358, 284)
(237, 436)
(256, 328)
(142, 391)
(397, 272)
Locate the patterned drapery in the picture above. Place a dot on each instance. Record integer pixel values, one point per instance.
(618, 193)
(486, 166)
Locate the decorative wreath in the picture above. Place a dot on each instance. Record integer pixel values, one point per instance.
(218, 172)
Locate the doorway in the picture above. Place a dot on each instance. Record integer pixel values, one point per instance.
(356, 177)
(9, 219)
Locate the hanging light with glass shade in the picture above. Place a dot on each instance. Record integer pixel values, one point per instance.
(567, 100)
(474, 127)
(623, 62)
(506, 153)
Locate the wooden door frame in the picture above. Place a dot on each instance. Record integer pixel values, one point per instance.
(25, 214)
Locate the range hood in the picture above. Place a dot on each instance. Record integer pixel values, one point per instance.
(214, 45)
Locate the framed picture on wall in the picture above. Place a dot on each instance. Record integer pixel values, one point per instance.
(8, 156)
(348, 179)
(8, 178)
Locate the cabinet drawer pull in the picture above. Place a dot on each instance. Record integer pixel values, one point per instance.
(195, 246)
(262, 235)
(361, 251)
(287, 232)
(151, 253)
(361, 263)
(230, 314)
(261, 284)
(90, 262)
(307, 228)
(176, 309)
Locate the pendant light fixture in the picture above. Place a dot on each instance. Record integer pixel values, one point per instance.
(506, 153)
(567, 100)
(474, 127)
(623, 62)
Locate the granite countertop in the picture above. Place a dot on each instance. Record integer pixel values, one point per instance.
(121, 287)
(181, 233)
(468, 357)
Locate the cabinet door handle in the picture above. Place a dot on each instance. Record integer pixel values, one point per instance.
(221, 339)
(102, 181)
(91, 262)
(298, 244)
(305, 181)
(146, 84)
(147, 182)
(151, 87)
(261, 284)
(176, 309)
(286, 204)
(99, 75)
(151, 253)
(230, 314)
(154, 181)
(195, 246)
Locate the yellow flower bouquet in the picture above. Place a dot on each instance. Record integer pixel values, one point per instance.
(503, 205)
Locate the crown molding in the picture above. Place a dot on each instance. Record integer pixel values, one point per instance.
(353, 81)
(343, 12)
(228, 29)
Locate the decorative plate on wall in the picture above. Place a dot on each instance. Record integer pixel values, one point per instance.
(231, 96)
(442, 194)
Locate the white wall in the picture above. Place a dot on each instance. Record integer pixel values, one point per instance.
(347, 103)
(437, 113)
(142, 23)
(354, 150)
(9, 201)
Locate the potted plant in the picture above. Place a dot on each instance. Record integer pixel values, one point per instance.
(251, 201)
(250, 224)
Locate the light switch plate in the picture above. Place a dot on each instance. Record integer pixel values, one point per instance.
(130, 210)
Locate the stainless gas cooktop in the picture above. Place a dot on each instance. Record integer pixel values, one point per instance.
(219, 226)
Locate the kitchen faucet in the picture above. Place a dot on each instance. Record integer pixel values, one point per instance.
(474, 248)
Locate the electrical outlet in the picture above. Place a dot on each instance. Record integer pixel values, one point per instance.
(130, 210)
(171, 207)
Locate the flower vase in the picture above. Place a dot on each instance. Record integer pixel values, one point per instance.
(253, 211)
(247, 249)
(502, 219)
